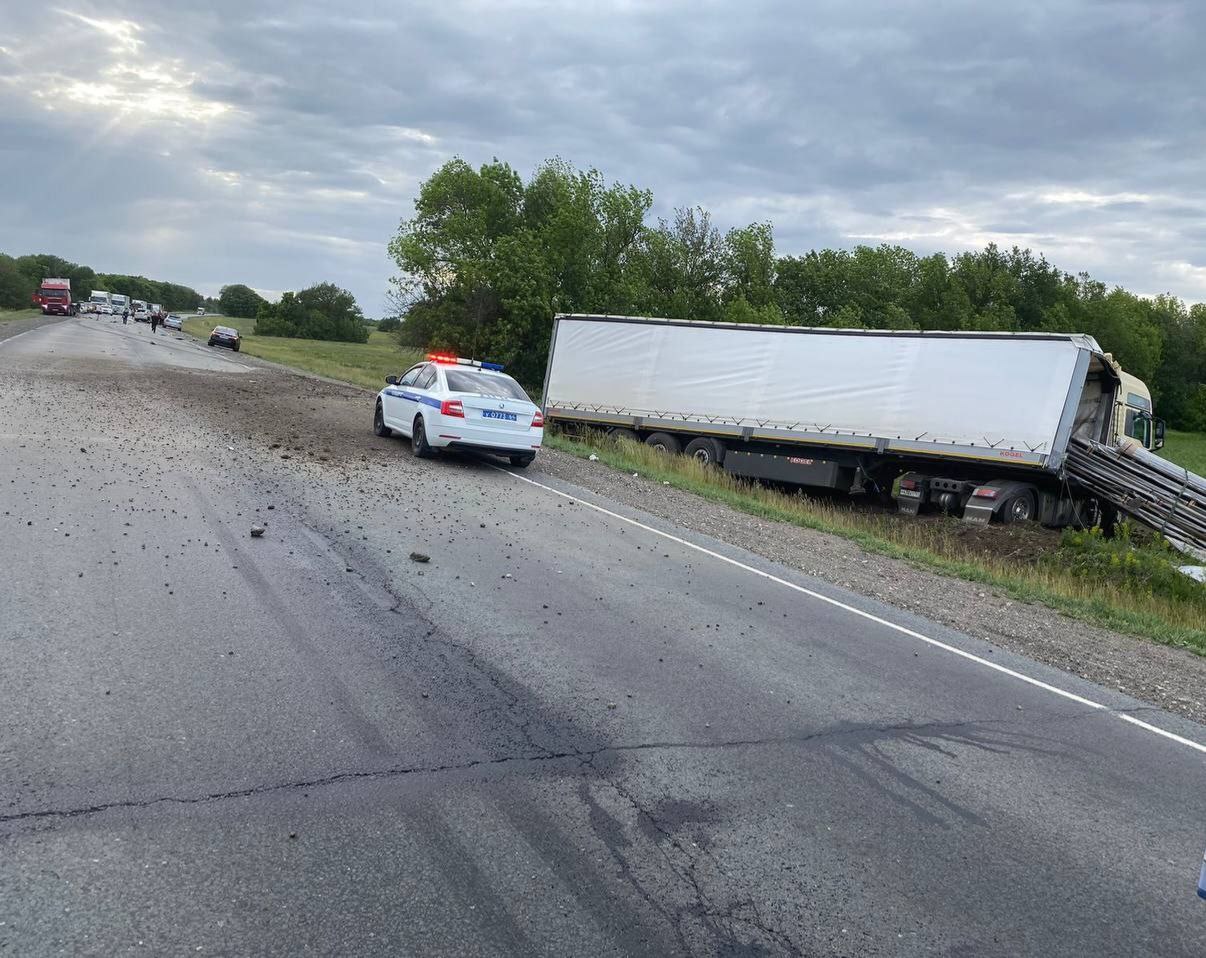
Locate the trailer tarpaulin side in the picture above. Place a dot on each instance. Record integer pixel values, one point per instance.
(1009, 393)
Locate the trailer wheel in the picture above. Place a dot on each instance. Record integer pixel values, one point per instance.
(617, 432)
(705, 451)
(664, 442)
(1018, 509)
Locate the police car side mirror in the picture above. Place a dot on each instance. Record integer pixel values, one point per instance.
(391, 380)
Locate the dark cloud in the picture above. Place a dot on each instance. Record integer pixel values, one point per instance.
(278, 143)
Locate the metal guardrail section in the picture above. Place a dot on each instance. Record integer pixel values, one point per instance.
(1158, 493)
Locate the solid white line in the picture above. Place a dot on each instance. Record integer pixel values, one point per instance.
(9, 339)
(1037, 683)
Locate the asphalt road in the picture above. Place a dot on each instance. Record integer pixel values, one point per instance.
(569, 733)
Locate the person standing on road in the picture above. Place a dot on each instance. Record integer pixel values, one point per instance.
(125, 315)
(154, 322)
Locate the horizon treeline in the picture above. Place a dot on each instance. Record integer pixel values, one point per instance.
(20, 277)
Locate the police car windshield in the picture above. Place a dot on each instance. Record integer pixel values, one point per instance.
(485, 384)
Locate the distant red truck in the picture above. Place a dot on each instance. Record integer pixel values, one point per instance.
(54, 297)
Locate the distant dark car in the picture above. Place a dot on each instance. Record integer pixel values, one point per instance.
(225, 336)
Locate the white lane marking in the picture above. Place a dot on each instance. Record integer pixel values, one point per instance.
(9, 339)
(1038, 683)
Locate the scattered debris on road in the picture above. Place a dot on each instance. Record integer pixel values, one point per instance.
(257, 531)
(419, 557)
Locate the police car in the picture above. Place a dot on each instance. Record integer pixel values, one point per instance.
(447, 402)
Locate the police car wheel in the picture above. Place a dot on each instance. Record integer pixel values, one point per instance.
(521, 462)
(379, 426)
(418, 440)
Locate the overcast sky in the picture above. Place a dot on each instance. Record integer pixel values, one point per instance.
(279, 143)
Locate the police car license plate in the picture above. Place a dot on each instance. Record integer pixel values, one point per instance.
(496, 414)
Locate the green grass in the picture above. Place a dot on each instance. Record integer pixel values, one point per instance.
(1186, 449)
(9, 315)
(1127, 585)
(364, 364)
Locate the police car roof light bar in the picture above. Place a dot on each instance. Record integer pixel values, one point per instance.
(457, 360)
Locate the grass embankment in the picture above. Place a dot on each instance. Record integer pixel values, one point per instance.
(365, 364)
(1124, 584)
(9, 315)
(1186, 449)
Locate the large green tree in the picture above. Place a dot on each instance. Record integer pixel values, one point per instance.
(322, 311)
(240, 301)
(16, 288)
(487, 259)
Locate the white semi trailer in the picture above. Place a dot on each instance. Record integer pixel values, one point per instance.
(973, 424)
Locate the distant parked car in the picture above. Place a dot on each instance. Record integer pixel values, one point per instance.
(200, 310)
(225, 336)
(172, 321)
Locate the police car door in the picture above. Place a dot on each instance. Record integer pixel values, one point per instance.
(396, 409)
(421, 392)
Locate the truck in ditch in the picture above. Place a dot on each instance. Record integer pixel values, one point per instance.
(977, 425)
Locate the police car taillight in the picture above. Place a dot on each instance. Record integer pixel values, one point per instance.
(538, 420)
(452, 407)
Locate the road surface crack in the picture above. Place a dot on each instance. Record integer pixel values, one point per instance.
(585, 757)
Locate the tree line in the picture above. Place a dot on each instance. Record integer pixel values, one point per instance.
(322, 311)
(21, 276)
(488, 258)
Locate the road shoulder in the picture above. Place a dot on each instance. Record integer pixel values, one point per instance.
(1170, 678)
(14, 328)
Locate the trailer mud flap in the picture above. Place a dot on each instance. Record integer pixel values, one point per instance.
(801, 470)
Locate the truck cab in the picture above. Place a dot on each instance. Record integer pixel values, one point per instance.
(1133, 416)
(54, 297)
